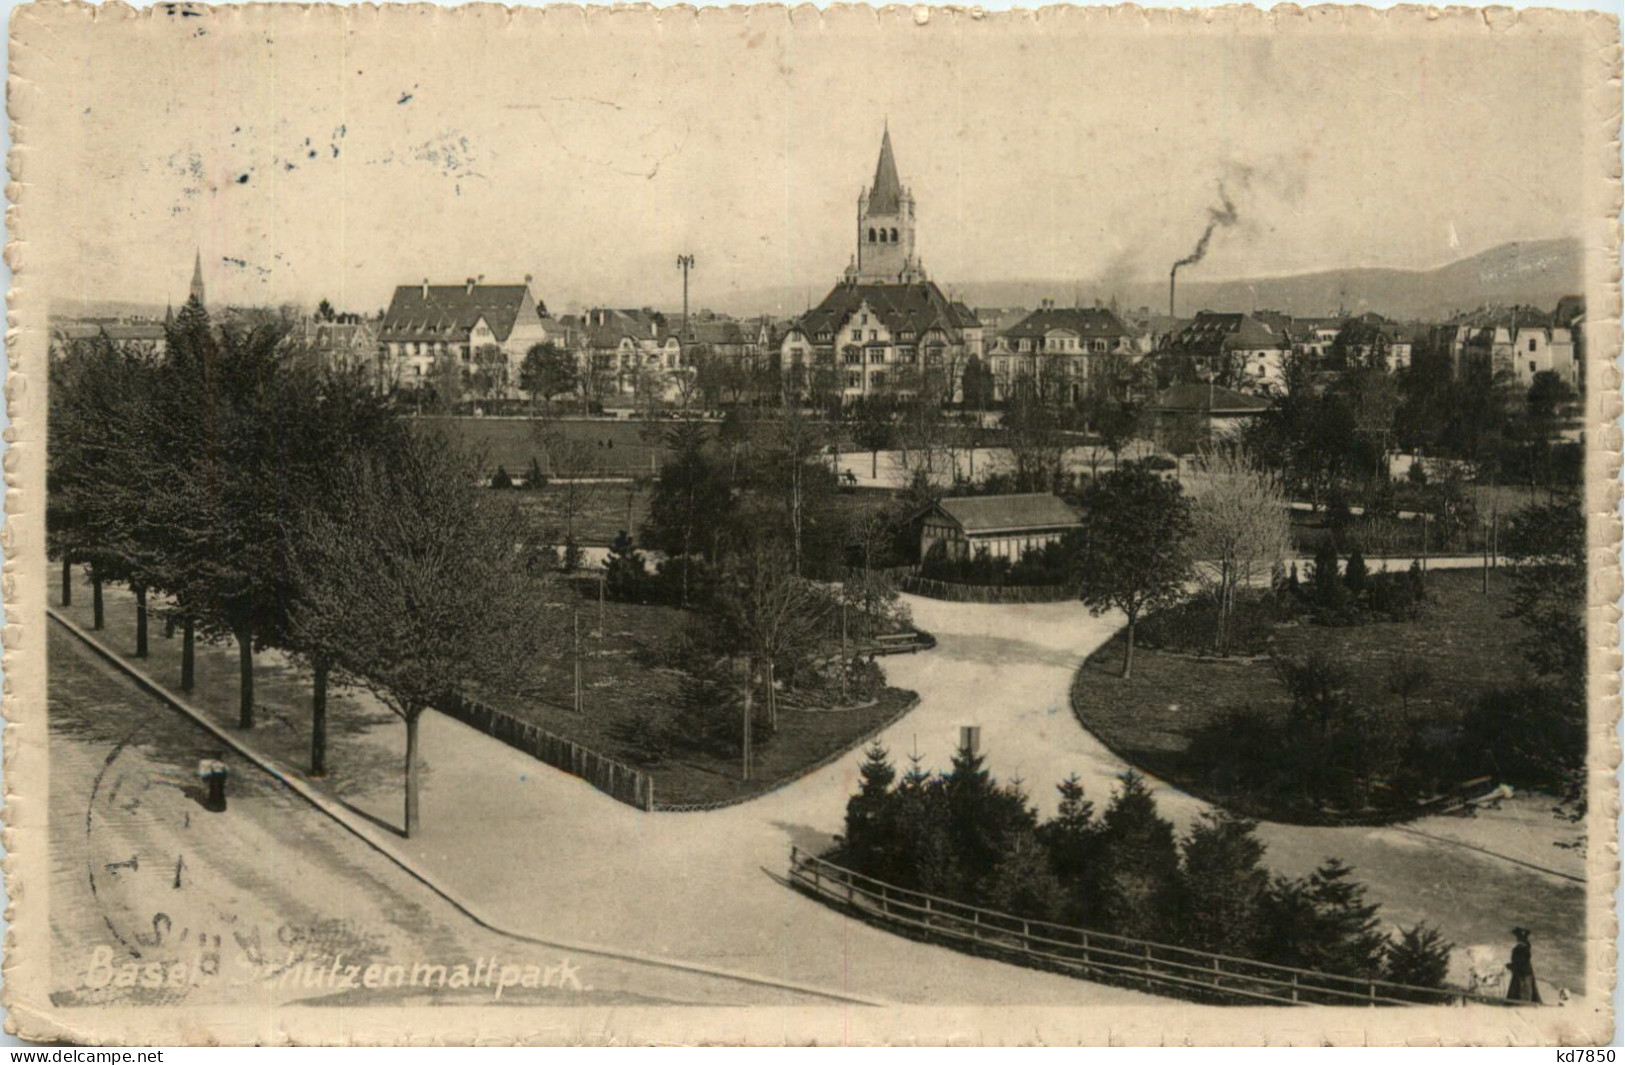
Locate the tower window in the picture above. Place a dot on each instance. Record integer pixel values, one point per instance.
(871, 234)
(882, 236)
(894, 235)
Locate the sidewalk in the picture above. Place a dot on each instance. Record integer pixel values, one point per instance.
(538, 852)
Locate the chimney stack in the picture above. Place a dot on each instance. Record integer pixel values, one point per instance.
(425, 288)
(1171, 275)
(970, 738)
(470, 283)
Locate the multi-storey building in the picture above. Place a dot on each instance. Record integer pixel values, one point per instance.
(884, 329)
(1057, 351)
(482, 328)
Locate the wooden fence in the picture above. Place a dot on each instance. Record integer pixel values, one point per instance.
(960, 592)
(614, 779)
(1156, 967)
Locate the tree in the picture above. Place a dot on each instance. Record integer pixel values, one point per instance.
(490, 377)
(1545, 546)
(1323, 922)
(1239, 526)
(416, 581)
(1134, 558)
(547, 371)
(870, 846)
(692, 504)
(873, 430)
(1072, 838)
(571, 461)
(325, 312)
(1139, 880)
(1419, 958)
(1354, 573)
(764, 608)
(1222, 884)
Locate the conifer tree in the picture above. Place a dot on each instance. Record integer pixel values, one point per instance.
(1140, 863)
(1223, 884)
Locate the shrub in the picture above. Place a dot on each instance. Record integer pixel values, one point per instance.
(501, 480)
(1533, 733)
(1393, 596)
(1354, 573)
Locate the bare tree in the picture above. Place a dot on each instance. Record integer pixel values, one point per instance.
(415, 584)
(1240, 528)
(570, 463)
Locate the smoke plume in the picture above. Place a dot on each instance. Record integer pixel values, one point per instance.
(1223, 215)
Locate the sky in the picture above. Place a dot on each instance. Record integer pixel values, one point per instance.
(306, 157)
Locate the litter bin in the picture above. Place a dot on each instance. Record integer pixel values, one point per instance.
(213, 772)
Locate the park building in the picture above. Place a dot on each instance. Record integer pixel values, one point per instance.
(885, 328)
(1006, 526)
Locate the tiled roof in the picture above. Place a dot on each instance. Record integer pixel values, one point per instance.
(1207, 399)
(1213, 331)
(605, 327)
(1087, 322)
(718, 331)
(448, 312)
(1010, 513)
(911, 308)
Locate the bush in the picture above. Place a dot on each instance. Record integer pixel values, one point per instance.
(501, 480)
(1191, 627)
(1395, 596)
(1532, 734)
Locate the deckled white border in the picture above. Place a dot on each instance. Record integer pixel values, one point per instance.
(23, 583)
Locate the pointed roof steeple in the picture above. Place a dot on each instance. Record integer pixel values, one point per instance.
(887, 192)
(197, 277)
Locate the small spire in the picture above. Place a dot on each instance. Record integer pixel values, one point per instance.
(197, 277)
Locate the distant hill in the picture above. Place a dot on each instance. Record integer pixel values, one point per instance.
(1537, 272)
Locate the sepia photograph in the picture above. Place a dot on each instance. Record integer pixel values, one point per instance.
(777, 526)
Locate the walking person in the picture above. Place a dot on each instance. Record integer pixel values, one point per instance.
(1522, 987)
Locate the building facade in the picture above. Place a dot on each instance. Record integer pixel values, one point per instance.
(885, 328)
(483, 330)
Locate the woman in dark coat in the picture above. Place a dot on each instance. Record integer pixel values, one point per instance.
(1522, 987)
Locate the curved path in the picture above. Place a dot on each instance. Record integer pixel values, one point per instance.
(545, 853)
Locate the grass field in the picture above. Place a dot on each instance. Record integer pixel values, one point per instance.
(631, 685)
(510, 443)
(1153, 718)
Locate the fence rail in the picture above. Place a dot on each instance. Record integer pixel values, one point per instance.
(1156, 967)
(613, 778)
(960, 592)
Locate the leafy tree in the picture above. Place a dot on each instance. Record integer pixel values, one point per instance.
(325, 312)
(414, 581)
(1223, 883)
(547, 371)
(873, 430)
(1546, 548)
(1135, 556)
(1139, 880)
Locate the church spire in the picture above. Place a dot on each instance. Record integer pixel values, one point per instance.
(197, 278)
(888, 190)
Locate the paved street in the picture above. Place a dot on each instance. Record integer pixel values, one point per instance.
(259, 902)
(545, 853)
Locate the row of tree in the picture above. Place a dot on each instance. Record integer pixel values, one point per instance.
(278, 503)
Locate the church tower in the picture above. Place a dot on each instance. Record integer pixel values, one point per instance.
(886, 227)
(197, 279)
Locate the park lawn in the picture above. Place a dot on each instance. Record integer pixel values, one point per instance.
(1151, 719)
(509, 443)
(629, 684)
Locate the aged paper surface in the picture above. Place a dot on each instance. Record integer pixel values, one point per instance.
(648, 839)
